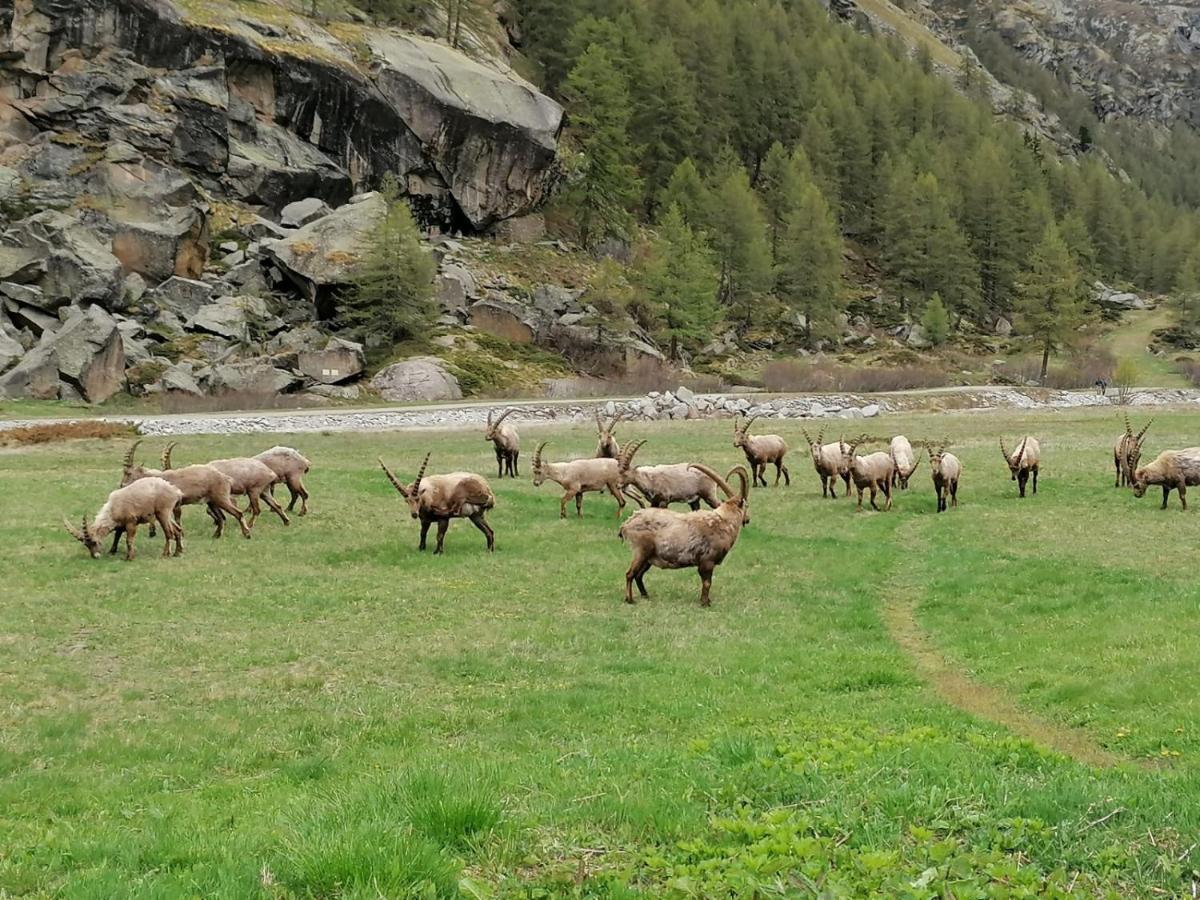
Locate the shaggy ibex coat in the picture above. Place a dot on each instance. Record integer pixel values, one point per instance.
(1024, 462)
(199, 484)
(290, 466)
(946, 470)
(872, 472)
(761, 449)
(440, 498)
(667, 484)
(1173, 469)
(606, 441)
(676, 540)
(143, 501)
(906, 461)
(578, 477)
(831, 462)
(507, 442)
(1127, 452)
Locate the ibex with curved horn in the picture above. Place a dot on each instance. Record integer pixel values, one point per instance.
(761, 449)
(677, 540)
(145, 500)
(830, 461)
(1127, 452)
(251, 477)
(606, 442)
(872, 472)
(507, 441)
(667, 484)
(906, 461)
(946, 470)
(1172, 470)
(440, 498)
(578, 477)
(1025, 462)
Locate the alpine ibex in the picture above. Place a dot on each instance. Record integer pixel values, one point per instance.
(577, 477)
(761, 449)
(667, 484)
(440, 498)
(1127, 452)
(906, 461)
(248, 476)
(1024, 462)
(507, 441)
(145, 500)
(290, 466)
(606, 443)
(677, 540)
(874, 472)
(946, 470)
(1173, 469)
(830, 461)
(199, 484)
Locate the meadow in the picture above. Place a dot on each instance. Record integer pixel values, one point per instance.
(998, 701)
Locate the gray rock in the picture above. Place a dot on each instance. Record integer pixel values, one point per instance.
(174, 244)
(21, 264)
(34, 377)
(917, 337)
(228, 247)
(1003, 327)
(133, 288)
(339, 361)
(236, 258)
(456, 285)
(182, 296)
(254, 376)
(235, 318)
(30, 317)
(29, 295)
(336, 391)
(554, 299)
(90, 353)
(78, 267)
(264, 229)
(11, 350)
(179, 379)
(680, 411)
(571, 318)
(870, 411)
(505, 319)
(418, 378)
(685, 394)
(850, 412)
(301, 212)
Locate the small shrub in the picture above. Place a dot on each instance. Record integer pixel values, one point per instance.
(1190, 369)
(787, 375)
(69, 431)
(449, 808)
(174, 402)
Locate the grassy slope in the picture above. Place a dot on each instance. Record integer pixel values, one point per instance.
(322, 710)
(1130, 338)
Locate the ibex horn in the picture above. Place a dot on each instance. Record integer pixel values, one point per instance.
(166, 454)
(129, 453)
(749, 422)
(537, 455)
(1128, 427)
(717, 479)
(394, 480)
(421, 471)
(808, 440)
(1004, 451)
(72, 530)
(631, 449)
(1141, 434)
(599, 421)
(1021, 449)
(744, 477)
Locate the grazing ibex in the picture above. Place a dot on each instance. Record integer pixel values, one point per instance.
(946, 470)
(677, 540)
(290, 466)
(199, 484)
(906, 461)
(606, 443)
(507, 441)
(577, 477)
(667, 484)
(145, 500)
(831, 463)
(440, 498)
(761, 449)
(1024, 462)
(1127, 452)
(1173, 469)
(874, 472)
(248, 476)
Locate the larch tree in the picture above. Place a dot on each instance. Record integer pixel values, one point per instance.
(809, 261)
(1049, 301)
(739, 238)
(680, 282)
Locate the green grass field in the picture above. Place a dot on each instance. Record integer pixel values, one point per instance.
(997, 701)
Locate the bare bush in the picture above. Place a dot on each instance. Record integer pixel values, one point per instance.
(1189, 369)
(175, 402)
(789, 375)
(68, 431)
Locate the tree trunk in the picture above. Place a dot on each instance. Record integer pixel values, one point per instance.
(1045, 362)
(674, 348)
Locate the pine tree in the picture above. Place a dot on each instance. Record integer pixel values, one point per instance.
(605, 186)
(665, 118)
(680, 282)
(935, 321)
(389, 299)
(687, 190)
(1187, 293)
(1049, 303)
(742, 249)
(783, 175)
(990, 220)
(809, 261)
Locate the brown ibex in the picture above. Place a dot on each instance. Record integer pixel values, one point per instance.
(1024, 462)
(667, 484)
(1173, 469)
(248, 476)
(606, 443)
(145, 500)
(290, 466)
(761, 449)
(199, 484)
(872, 472)
(906, 461)
(677, 540)
(507, 441)
(440, 498)
(830, 461)
(946, 470)
(1127, 452)
(577, 477)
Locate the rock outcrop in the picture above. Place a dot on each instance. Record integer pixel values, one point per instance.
(418, 378)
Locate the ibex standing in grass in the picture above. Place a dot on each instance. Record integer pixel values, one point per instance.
(251, 477)
(761, 449)
(667, 484)
(577, 477)
(946, 470)
(143, 501)
(606, 442)
(906, 461)
(507, 441)
(676, 540)
(874, 472)
(440, 498)
(1173, 469)
(830, 462)
(1127, 452)
(290, 466)
(1024, 462)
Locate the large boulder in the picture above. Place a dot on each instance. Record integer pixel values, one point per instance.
(182, 296)
(505, 319)
(235, 318)
(301, 212)
(11, 350)
(254, 376)
(418, 378)
(21, 265)
(170, 245)
(79, 268)
(90, 353)
(339, 361)
(34, 377)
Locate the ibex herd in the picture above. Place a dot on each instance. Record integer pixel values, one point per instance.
(656, 535)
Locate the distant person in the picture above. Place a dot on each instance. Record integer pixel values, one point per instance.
(1102, 385)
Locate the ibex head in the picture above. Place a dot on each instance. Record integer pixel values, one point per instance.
(741, 433)
(607, 446)
(814, 447)
(85, 536)
(539, 468)
(742, 499)
(493, 428)
(1014, 461)
(1133, 446)
(412, 493)
(625, 461)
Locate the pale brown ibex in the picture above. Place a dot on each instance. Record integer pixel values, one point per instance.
(290, 466)
(906, 461)
(872, 472)
(577, 477)
(1025, 462)
(248, 476)
(440, 498)
(1172, 470)
(761, 449)
(145, 500)
(677, 540)
(1127, 452)
(830, 461)
(667, 484)
(606, 441)
(507, 442)
(946, 470)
